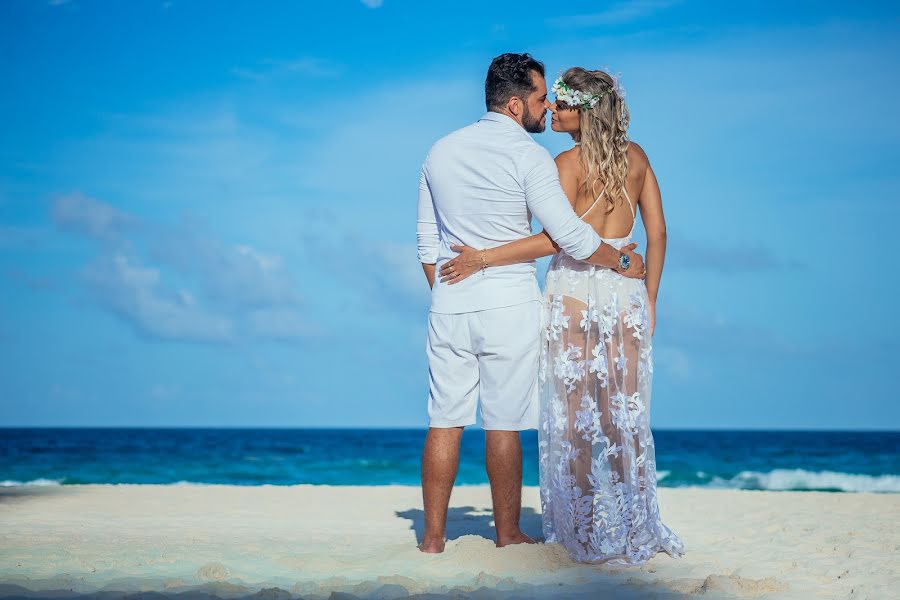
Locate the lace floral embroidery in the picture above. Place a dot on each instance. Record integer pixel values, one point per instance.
(596, 450)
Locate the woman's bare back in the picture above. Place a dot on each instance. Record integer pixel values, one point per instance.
(608, 224)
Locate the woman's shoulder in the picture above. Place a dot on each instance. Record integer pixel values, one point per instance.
(637, 161)
(636, 155)
(568, 159)
(568, 155)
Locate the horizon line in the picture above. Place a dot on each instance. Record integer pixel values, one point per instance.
(407, 428)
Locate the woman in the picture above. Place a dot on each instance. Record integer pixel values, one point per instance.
(597, 458)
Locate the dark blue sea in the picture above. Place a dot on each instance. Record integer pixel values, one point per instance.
(759, 460)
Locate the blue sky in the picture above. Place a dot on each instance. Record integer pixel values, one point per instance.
(207, 209)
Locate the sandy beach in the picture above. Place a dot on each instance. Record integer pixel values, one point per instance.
(343, 542)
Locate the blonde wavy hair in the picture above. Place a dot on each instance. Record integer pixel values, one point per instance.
(604, 137)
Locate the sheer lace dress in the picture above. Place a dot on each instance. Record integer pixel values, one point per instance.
(597, 457)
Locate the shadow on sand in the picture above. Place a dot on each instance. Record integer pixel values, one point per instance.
(20, 493)
(467, 520)
(461, 521)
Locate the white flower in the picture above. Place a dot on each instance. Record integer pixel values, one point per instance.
(647, 357)
(584, 100)
(558, 318)
(606, 547)
(622, 360)
(644, 370)
(558, 414)
(635, 408)
(610, 449)
(617, 409)
(568, 453)
(641, 459)
(599, 364)
(574, 98)
(637, 317)
(567, 367)
(626, 410)
(587, 420)
(590, 315)
(607, 320)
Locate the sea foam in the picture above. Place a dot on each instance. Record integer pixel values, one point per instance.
(801, 479)
(13, 483)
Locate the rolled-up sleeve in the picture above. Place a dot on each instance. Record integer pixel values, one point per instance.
(426, 224)
(549, 205)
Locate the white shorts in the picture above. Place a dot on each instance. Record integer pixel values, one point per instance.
(489, 354)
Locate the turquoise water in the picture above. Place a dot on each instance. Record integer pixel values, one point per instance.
(773, 460)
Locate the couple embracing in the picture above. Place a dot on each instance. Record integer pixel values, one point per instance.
(575, 362)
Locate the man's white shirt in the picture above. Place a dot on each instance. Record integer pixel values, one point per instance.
(479, 187)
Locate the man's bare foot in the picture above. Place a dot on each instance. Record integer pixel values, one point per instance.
(518, 538)
(432, 547)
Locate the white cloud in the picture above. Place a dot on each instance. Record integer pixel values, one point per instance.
(81, 214)
(136, 293)
(240, 276)
(269, 183)
(387, 275)
(228, 292)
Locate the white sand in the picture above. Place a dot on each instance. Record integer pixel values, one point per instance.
(311, 541)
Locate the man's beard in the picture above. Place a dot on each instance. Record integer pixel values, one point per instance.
(532, 123)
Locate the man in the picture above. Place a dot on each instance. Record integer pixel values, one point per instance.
(479, 187)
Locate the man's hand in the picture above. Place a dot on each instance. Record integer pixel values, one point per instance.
(636, 269)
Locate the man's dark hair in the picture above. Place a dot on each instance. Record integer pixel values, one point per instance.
(510, 75)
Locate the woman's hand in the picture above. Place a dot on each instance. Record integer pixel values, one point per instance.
(460, 267)
(652, 317)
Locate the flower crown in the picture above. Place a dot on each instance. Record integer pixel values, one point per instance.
(579, 99)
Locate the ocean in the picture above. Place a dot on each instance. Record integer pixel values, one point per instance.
(834, 461)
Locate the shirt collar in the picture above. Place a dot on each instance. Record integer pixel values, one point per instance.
(504, 120)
